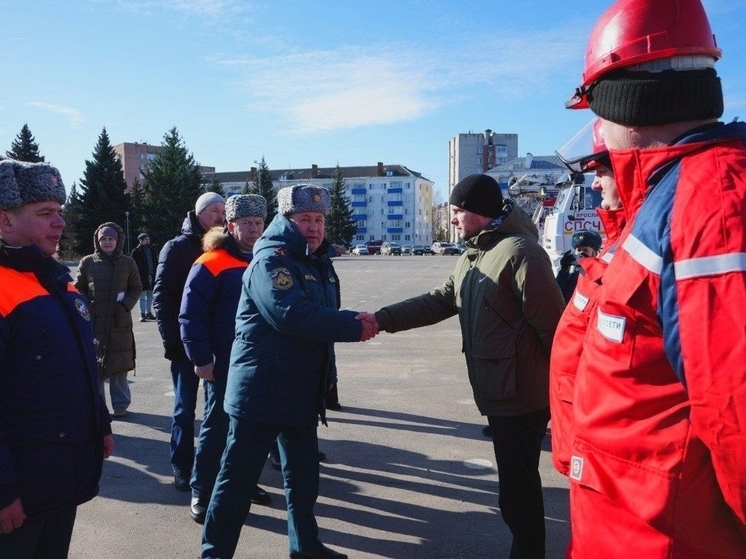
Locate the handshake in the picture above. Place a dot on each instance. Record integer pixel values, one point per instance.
(370, 326)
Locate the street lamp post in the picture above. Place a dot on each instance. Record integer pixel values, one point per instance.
(127, 229)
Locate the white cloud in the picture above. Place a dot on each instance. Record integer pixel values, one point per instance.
(73, 116)
(362, 86)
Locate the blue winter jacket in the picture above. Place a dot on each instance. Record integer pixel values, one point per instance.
(174, 262)
(52, 418)
(286, 326)
(208, 306)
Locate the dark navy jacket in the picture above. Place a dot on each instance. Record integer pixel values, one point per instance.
(174, 262)
(208, 306)
(286, 326)
(52, 418)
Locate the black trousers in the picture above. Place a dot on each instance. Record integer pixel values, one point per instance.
(517, 442)
(46, 539)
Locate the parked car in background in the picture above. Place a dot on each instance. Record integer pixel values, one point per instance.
(374, 247)
(360, 250)
(461, 248)
(391, 249)
(340, 249)
(421, 249)
(442, 248)
(406, 249)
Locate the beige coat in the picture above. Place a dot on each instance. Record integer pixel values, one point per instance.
(102, 278)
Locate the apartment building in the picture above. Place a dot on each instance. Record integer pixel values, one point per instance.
(135, 157)
(472, 153)
(389, 202)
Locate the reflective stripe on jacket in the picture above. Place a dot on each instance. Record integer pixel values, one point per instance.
(659, 442)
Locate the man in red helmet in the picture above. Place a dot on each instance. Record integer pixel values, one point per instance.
(567, 346)
(659, 413)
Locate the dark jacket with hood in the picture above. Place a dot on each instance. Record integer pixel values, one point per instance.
(174, 262)
(52, 417)
(112, 285)
(286, 325)
(508, 303)
(140, 255)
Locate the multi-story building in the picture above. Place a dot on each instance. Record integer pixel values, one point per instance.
(136, 156)
(472, 153)
(389, 202)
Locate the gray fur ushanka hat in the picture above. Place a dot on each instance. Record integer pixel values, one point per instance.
(27, 183)
(245, 205)
(303, 198)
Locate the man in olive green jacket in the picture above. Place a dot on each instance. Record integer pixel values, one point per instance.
(509, 303)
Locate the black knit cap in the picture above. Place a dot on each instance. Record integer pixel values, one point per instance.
(479, 194)
(655, 98)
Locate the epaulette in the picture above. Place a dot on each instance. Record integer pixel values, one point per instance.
(281, 251)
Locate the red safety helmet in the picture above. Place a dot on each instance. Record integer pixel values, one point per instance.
(636, 31)
(585, 150)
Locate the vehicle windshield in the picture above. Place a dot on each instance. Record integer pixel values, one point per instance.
(591, 199)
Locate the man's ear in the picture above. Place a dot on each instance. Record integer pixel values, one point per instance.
(6, 221)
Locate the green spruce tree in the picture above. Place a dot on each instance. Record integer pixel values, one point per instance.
(340, 226)
(137, 208)
(173, 182)
(215, 186)
(70, 213)
(262, 185)
(25, 148)
(102, 196)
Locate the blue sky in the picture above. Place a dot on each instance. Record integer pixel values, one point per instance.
(328, 82)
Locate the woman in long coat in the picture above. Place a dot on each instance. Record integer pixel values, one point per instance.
(111, 281)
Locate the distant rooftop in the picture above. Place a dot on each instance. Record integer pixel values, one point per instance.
(535, 162)
(315, 172)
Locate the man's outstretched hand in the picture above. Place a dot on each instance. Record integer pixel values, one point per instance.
(370, 326)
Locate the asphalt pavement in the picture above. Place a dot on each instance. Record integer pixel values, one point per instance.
(408, 472)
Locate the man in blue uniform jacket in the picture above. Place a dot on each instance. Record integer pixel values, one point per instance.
(54, 426)
(286, 325)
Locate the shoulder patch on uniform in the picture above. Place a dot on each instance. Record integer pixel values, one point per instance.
(576, 468)
(281, 278)
(280, 251)
(580, 301)
(310, 277)
(82, 309)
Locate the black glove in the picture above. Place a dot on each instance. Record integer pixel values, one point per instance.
(175, 353)
(567, 260)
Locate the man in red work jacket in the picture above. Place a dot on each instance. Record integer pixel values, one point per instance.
(658, 443)
(568, 338)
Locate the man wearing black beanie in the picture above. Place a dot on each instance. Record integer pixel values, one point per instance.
(508, 302)
(658, 440)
